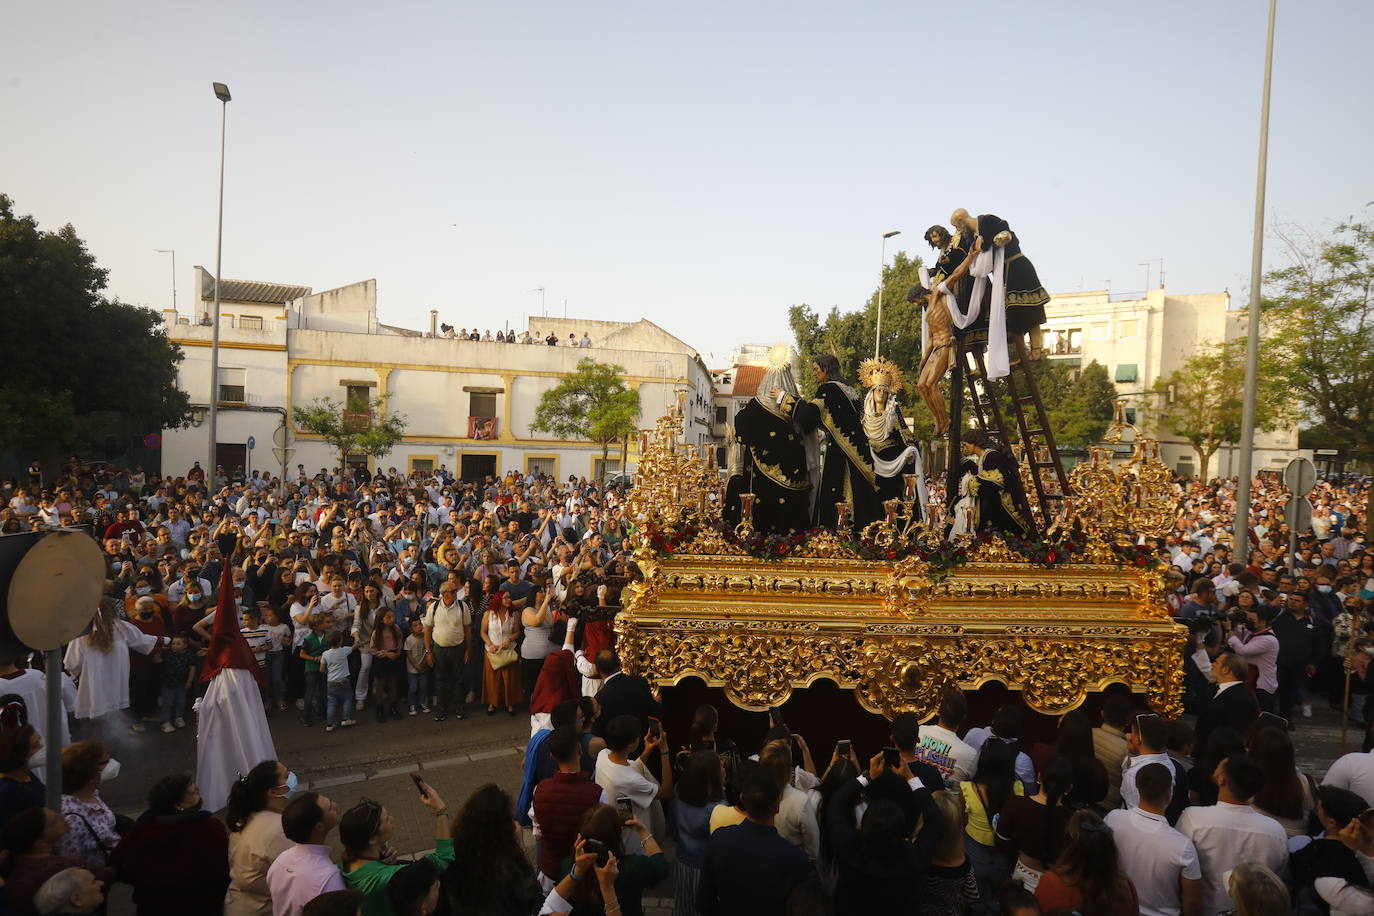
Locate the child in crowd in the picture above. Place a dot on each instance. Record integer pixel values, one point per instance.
(178, 668)
(417, 669)
(334, 663)
(280, 634)
(314, 646)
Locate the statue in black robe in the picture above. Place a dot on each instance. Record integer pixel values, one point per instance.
(772, 466)
(954, 250)
(891, 443)
(847, 474)
(990, 495)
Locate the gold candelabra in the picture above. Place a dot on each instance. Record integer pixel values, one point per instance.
(1117, 501)
(676, 482)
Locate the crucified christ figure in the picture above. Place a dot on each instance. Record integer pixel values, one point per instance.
(936, 358)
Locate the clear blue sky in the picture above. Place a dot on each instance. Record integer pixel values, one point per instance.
(702, 165)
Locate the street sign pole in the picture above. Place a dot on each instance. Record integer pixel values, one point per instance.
(1300, 476)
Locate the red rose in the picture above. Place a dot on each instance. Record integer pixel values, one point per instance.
(1051, 556)
(891, 554)
(782, 548)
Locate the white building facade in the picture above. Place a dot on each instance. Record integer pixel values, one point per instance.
(468, 404)
(1142, 340)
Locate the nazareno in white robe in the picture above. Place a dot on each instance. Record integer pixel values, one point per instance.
(102, 678)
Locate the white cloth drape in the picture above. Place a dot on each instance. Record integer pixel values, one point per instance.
(991, 266)
(232, 735)
(102, 678)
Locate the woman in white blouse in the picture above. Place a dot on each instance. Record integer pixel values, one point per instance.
(253, 813)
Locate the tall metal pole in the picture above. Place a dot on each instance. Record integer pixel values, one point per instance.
(173, 253)
(53, 715)
(213, 423)
(882, 266)
(1247, 416)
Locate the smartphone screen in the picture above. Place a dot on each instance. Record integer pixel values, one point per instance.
(419, 784)
(892, 757)
(626, 807)
(843, 748)
(598, 847)
(655, 727)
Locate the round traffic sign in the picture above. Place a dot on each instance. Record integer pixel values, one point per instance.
(252, 443)
(152, 440)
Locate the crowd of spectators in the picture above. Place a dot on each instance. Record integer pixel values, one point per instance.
(406, 595)
(448, 332)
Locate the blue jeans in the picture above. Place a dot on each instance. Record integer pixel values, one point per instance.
(419, 688)
(990, 869)
(340, 702)
(314, 695)
(172, 702)
(276, 676)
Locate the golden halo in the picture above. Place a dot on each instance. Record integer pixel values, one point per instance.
(880, 371)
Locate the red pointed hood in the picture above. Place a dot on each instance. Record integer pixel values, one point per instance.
(228, 648)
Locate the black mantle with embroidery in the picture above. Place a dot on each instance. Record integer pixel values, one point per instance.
(847, 470)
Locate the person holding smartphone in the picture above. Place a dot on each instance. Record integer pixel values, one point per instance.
(365, 831)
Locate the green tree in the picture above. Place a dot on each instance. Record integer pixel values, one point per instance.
(851, 335)
(361, 425)
(1320, 311)
(1201, 400)
(592, 403)
(123, 363)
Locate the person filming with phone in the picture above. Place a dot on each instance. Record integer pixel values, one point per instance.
(368, 863)
(621, 776)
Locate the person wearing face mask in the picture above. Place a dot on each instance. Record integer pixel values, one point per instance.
(20, 787)
(256, 802)
(177, 855)
(92, 827)
(145, 670)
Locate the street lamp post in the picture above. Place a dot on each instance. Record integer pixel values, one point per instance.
(882, 265)
(1247, 410)
(173, 253)
(221, 93)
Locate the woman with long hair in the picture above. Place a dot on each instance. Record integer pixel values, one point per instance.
(985, 796)
(387, 643)
(841, 772)
(636, 872)
(1033, 826)
(700, 788)
(500, 630)
(1287, 796)
(364, 619)
(368, 865)
(1256, 891)
(1075, 744)
(253, 815)
(20, 787)
(493, 876)
(1086, 877)
(951, 888)
(99, 662)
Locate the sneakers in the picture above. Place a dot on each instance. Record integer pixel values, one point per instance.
(281, 706)
(1307, 710)
(412, 710)
(328, 729)
(357, 705)
(300, 703)
(424, 708)
(179, 722)
(138, 727)
(347, 722)
(168, 728)
(439, 717)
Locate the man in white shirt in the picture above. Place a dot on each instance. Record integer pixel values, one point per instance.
(618, 775)
(796, 818)
(1147, 742)
(1161, 862)
(448, 645)
(941, 745)
(1354, 772)
(1231, 831)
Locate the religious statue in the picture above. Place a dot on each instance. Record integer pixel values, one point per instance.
(1017, 288)
(847, 474)
(771, 456)
(894, 452)
(990, 495)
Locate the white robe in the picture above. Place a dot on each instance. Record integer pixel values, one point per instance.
(102, 678)
(231, 736)
(32, 687)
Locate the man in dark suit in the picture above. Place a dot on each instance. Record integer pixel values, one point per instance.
(749, 870)
(622, 695)
(1233, 704)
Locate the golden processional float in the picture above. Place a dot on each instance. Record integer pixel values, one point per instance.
(895, 612)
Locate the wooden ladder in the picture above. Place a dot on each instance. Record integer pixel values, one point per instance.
(1037, 440)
